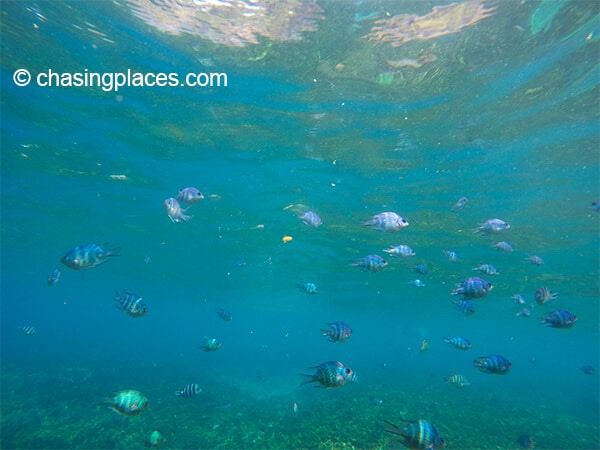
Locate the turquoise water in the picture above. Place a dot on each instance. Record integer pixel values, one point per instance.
(507, 115)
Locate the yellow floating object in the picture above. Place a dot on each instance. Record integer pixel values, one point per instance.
(287, 239)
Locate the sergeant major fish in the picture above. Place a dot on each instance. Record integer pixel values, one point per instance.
(458, 342)
(460, 204)
(465, 307)
(84, 256)
(487, 269)
(494, 364)
(417, 434)
(338, 331)
(473, 287)
(189, 391)
(130, 304)
(29, 330)
(400, 250)
(371, 263)
(493, 226)
(331, 374)
(210, 345)
(309, 288)
(174, 211)
(189, 196)
(560, 319)
(129, 402)
(543, 296)
(53, 277)
(386, 221)
(224, 315)
(458, 381)
(311, 219)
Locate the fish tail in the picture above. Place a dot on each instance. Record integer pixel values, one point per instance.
(311, 378)
(113, 252)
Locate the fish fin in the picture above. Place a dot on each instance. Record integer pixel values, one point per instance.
(395, 429)
(309, 376)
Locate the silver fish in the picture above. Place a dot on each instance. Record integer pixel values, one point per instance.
(189, 195)
(387, 221)
(174, 210)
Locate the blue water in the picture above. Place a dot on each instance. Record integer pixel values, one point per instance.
(506, 117)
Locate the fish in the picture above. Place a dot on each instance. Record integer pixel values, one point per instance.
(338, 332)
(464, 306)
(130, 304)
(174, 211)
(189, 391)
(452, 256)
(129, 402)
(387, 221)
(525, 441)
(417, 434)
(311, 219)
(371, 263)
(493, 364)
(559, 319)
(493, 226)
(53, 277)
(525, 312)
(400, 250)
(473, 287)
(460, 204)
(458, 342)
(458, 381)
(421, 268)
(85, 256)
(518, 298)
(417, 283)
(224, 315)
(543, 296)
(503, 246)
(535, 260)
(331, 374)
(487, 269)
(376, 401)
(156, 439)
(424, 347)
(29, 330)
(295, 408)
(309, 288)
(189, 196)
(210, 345)
(588, 370)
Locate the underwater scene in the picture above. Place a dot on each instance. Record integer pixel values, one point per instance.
(300, 224)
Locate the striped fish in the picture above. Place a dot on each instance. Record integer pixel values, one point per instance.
(27, 329)
(189, 391)
(487, 269)
(338, 332)
(458, 342)
(418, 434)
(560, 319)
(543, 296)
(458, 381)
(130, 304)
(465, 307)
(309, 288)
(371, 263)
(495, 364)
(84, 256)
(129, 402)
(331, 374)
